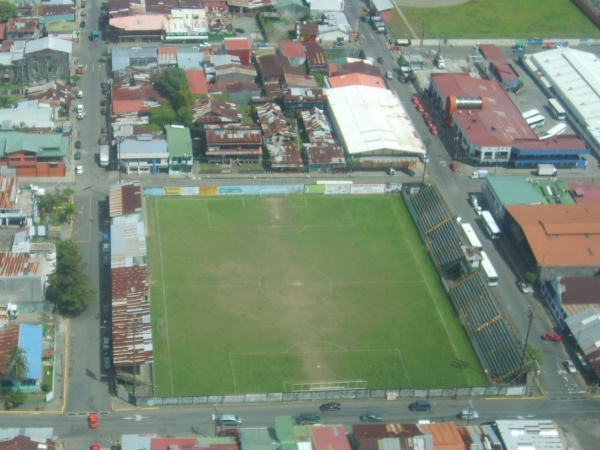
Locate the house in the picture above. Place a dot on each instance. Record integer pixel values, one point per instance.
(301, 98)
(185, 25)
(325, 158)
(15, 207)
(45, 59)
(233, 141)
(360, 66)
(497, 67)
(238, 91)
(250, 6)
(34, 155)
(189, 58)
(235, 72)
(291, 9)
(181, 155)
(197, 81)
(293, 51)
(240, 47)
(143, 154)
(334, 28)
(28, 338)
(210, 109)
(316, 61)
(53, 94)
(307, 32)
(501, 191)
(318, 129)
(273, 123)
(291, 80)
(167, 57)
(125, 199)
(124, 58)
(284, 157)
(22, 28)
(272, 68)
(356, 79)
(23, 278)
(138, 28)
(584, 193)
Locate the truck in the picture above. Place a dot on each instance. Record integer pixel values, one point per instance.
(95, 35)
(545, 170)
(479, 174)
(103, 158)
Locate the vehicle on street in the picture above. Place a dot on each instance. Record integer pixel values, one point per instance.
(308, 419)
(433, 130)
(420, 405)
(415, 100)
(106, 247)
(105, 260)
(95, 446)
(103, 111)
(229, 420)
(77, 144)
(468, 414)
(570, 366)
(339, 45)
(240, 30)
(106, 343)
(524, 287)
(229, 432)
(107, 363)
(409, 172)
(479, 174)
(389, 75)
(552, 337)
(263, 45)
(380, 60)
(103, 102)
(93, 421)
(77, 155)
(371, 417)
(82, 24)
(83, 13)
(79, 170)
(426, 117)
(420, 108)
(454, 166)
(205, 44)
(332, 406)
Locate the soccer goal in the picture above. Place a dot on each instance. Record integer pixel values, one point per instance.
(269, 192)
(325, 386)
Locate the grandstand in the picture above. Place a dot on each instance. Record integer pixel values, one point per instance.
(498, 350)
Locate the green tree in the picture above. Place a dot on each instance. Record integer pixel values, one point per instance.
(69, 287)
(171, 82)
(17, 398)
(8, 101)
(185, 117)
(16, 364)
(181, 99)
(163, 116)
(7, 11)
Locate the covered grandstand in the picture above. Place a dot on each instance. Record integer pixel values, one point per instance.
(499, 352)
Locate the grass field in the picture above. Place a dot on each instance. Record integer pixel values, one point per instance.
(481, 19)
(253, 294)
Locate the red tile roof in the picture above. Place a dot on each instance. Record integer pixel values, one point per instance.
(560, 143)
(292, 49)
(197, 81)
(357, 79)
(124, 106)
(172, 443)
(237, 43)
(491, 52)
(330, 438)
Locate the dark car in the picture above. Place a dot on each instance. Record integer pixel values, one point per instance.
(230, 432)
(308, 419)
(104, 131)
(420, 405)
(103, 111)
(82, 24)
(103, 102)
(371, 417)
(77, 155)
(380, 60)
(240, 30)
(77, 144)
(330, 407)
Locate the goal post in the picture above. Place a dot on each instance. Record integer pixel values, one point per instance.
(290, 386)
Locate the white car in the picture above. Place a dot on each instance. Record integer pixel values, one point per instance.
(79, 170)
(570, 366)
(467, 414)
(205, 44)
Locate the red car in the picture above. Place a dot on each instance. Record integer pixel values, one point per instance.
(454, 166)
(95, 446)
(552, 337)
(93, 420)
(426, 116)
(229, 432)
(415, 100)
(420, 108)
(433, 130)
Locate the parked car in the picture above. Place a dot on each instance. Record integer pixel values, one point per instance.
(229, 420)
(433, 130)
(106, 247)
(95, 446)
(415, 100)
(524, 287)
(371, 417)
(332, 406)
(103, 102)
(240, 30)
(103, 111)
(77, 155)
(380, 60)
(82, 24)
(106, 343)
(79, 170)
(77, 144)
(468, 414)
(107, 362)
(93, 421)
(570, 366)
(229, 432)
(308, 419)
(420, 405)
(552, 337)
(83, 13)
(454, 166)
(420, 108)
(205, 44)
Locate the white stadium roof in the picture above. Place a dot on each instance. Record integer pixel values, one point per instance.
(372, 121)
(575, 77)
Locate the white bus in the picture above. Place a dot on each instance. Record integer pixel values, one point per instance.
(471, 236)
(536, 121)
(531, 113)
(556, 109)
(554, 131)
(490, 225)
(488, 270)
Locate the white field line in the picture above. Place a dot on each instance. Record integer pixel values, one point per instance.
(404, 367)
(162, 279)
(341, 283)
(232, 375)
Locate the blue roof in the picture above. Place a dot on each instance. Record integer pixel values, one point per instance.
(30, 340)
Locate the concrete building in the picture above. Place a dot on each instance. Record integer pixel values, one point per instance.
(500, 192)
(240, 47)
(23, 278)
(31, 154)
(143, 154)
(181, 154)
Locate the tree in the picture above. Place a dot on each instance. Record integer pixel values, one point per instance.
(16, 364)
(185, 117)
(8, 101)
(7, 11)
(171, 82)
(70, 289)
(163, 116)
(181, 99)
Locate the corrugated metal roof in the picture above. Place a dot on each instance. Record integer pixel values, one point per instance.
(125, 199)
(19, 265)
(127, 245)
(49, 43)
(43, 434)
(513, 190)
(330, 438)
(9, 188)
(179, 141)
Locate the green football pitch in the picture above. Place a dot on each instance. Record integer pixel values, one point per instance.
(272, 294)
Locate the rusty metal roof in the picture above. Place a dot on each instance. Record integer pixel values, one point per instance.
(125, 199)
(19, 265)
(233, 134)
(210, 109)
(325, 154)
(317, 126)
(315, 55)
(284, 156)
(272, 121)
(9, 188)
(131, 324)
(9, 338)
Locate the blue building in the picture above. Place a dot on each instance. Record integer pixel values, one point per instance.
(563, 151)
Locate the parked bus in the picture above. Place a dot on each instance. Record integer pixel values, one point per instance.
(536, 121)
(556, 109)
(531, 113)
(471, 236)
(554, 131)
(490, 225)
(488, 270)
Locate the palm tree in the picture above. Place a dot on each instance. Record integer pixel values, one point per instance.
(17, 364)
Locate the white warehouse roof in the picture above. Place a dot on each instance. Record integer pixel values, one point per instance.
(372, 121)
(575, 77)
